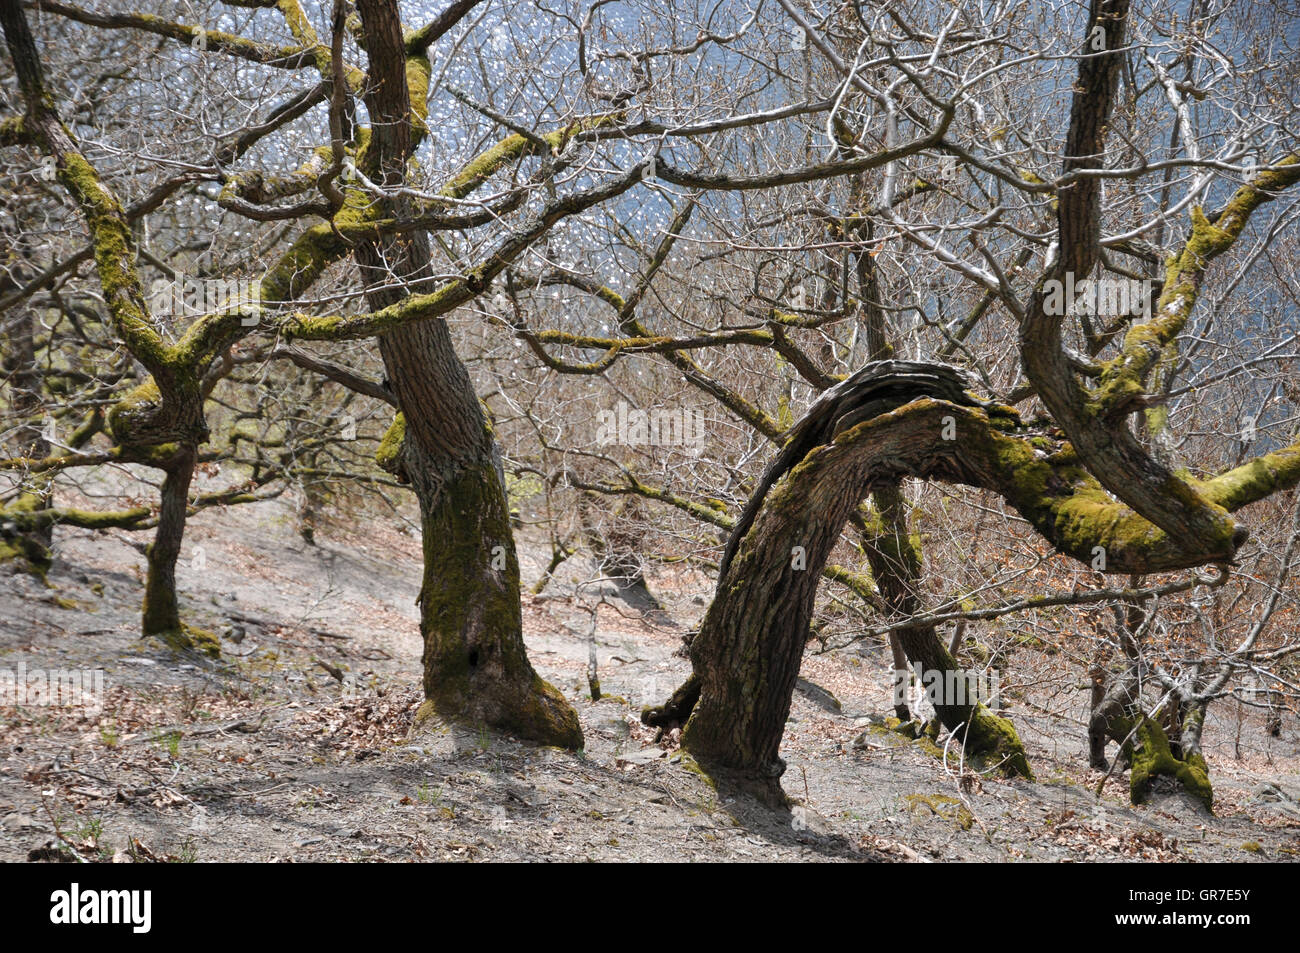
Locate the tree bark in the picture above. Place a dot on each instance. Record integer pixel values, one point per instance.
(476, 669)
(750, 646)
(896, 567)
(161, 617)
(30, 549)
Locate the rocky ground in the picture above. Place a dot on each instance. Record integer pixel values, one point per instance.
(296, 745)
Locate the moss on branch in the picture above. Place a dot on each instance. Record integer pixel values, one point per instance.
(1123, 378)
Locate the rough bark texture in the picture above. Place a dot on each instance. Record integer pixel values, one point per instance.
(1097, 423)
(1152, 757)
(476, 670)
(1115, 690)
(747, 655)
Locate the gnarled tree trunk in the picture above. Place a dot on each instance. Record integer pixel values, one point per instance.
(750, 646)
(476, 670)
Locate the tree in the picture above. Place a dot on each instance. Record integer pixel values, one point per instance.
(596, 209)
(475, 667)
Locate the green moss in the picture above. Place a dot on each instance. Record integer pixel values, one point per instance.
(1252, 847)
(995, 739)
(949, 808)
(521, 489)
(12, 131)
(21, 523)
(297, 21)
(27, 555)
(389, 454)
(416, 307)
(1090, 518)
(930, 747)
(475, 667)
(1123, 378)
(302, 264)
(544, 715)
(1253, 480)
(189, 638)
(908, 729)
(114, 251)
(487, 163)
(92, 425)
(683, 759)
(932, 729)
(417, 81)
(133, 410)
(1030, 476)
(322, 244)
(1151, 756)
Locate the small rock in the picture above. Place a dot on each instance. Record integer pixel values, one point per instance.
(818, 695)
(1270, 793)
(640, 756)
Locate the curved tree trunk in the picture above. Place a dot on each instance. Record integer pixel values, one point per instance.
(750, 646)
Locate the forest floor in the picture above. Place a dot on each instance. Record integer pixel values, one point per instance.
(267, 755)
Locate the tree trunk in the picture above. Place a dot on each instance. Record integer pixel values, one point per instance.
(1116, 688)
(902, 679)
(161, 616)
(750, 646)
(896, 567)
(476, 669)
(1168, 744)
(1153, 756)
(1111, 710)
(30, 549)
